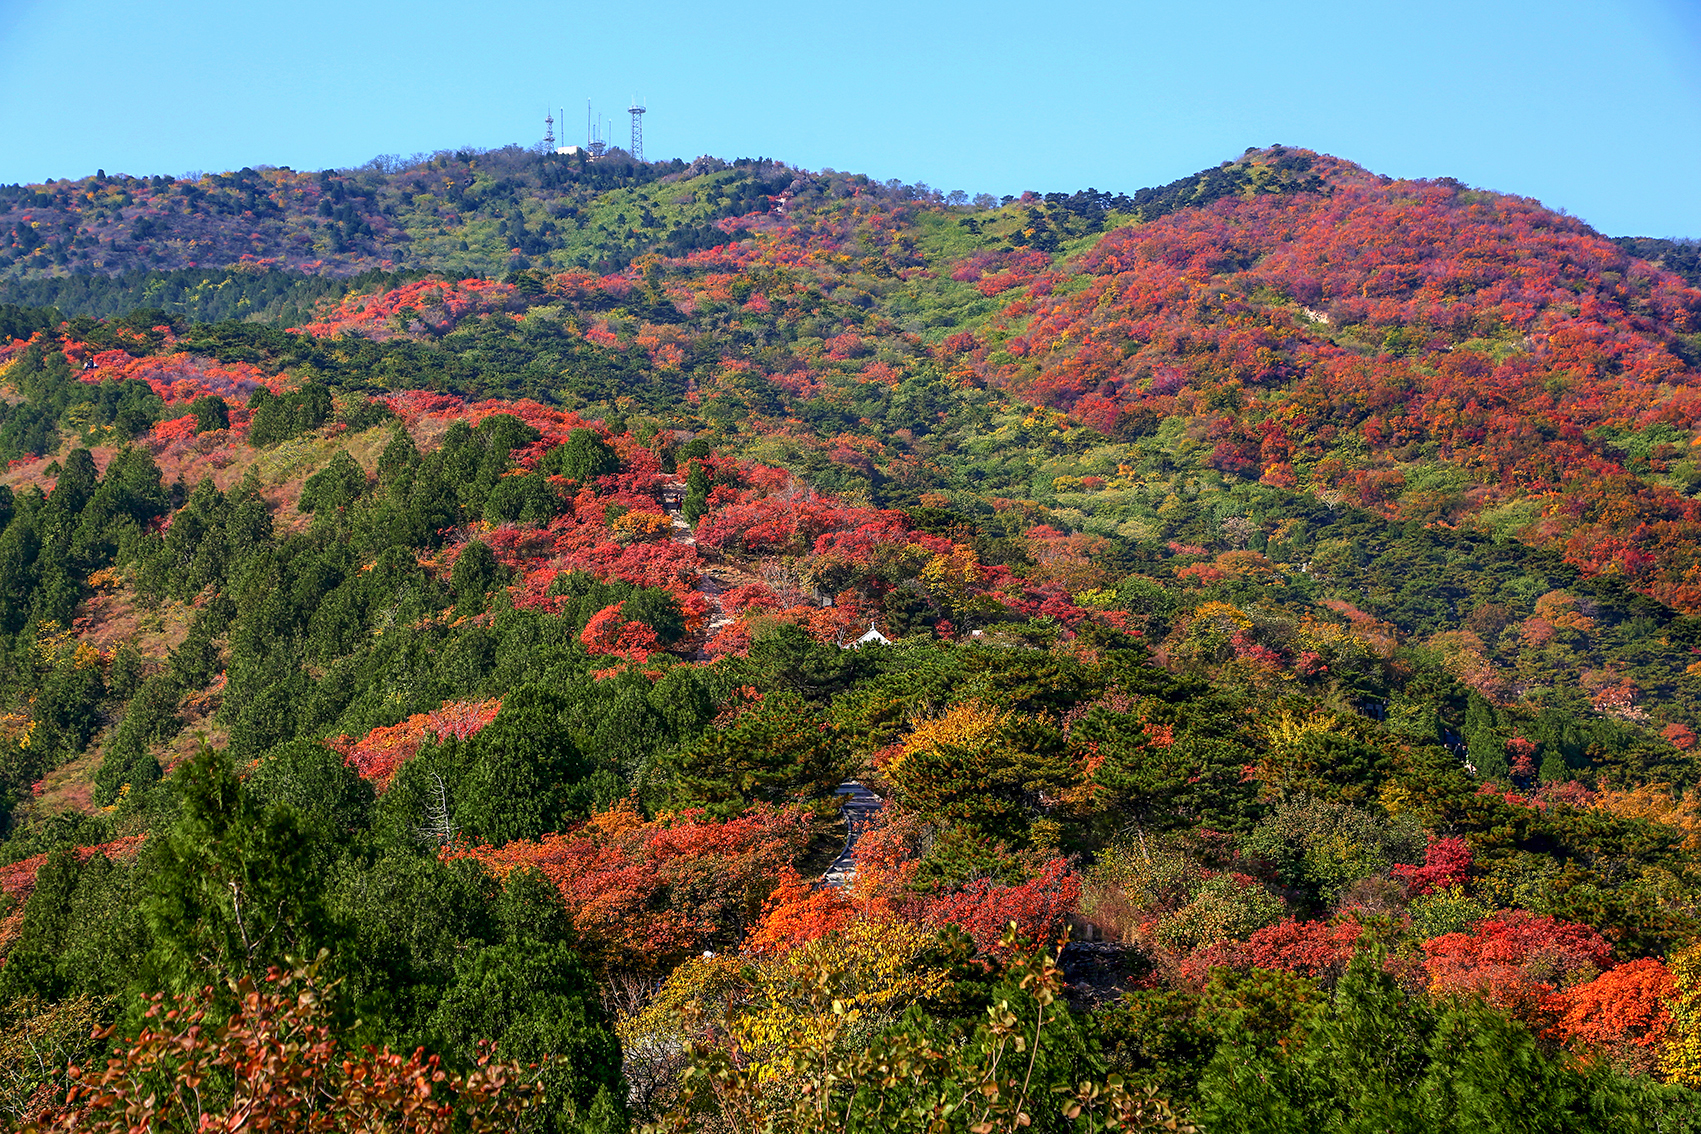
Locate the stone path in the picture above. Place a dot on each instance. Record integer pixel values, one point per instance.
(709, 583)
(859, 805)
(673, 499)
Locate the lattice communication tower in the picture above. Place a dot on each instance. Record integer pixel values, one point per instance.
(636, 110)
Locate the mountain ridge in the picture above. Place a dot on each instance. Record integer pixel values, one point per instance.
(322, 223)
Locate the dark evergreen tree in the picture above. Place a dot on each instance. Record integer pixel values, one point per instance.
(211, 412)
(524, 775)
(232, 888)
(476, 574)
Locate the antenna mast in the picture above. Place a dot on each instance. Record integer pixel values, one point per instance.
(593, 135)
(549, 131)
(636, 110)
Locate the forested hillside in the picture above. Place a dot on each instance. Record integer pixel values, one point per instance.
(425, 593)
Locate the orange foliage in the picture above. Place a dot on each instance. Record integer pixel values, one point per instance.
(1516, 961)
(799, 912)
(1625, 1006)
(641, 526)
(176, 429)
(609, 633)
(645, 894)
(378, 754)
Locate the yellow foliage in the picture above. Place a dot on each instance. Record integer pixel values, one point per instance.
(719, 983)
(634, 527)
(1320, 634)
(1658, 803)
(833, 1078)
(118, 800)
(1041, 419)
(54, 646)
(622, 816)
(872, 976)
(49, 640)
(1680, 1061)
(106, 578)
(964, 726)
(1228, 618)
(1397, 798)
(949, 576)
(16, 728)
(960, 727)
(1286, 731)
(769, 1005)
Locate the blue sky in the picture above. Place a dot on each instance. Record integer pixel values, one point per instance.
(1593, 107)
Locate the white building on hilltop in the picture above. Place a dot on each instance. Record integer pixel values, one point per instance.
(873, 637)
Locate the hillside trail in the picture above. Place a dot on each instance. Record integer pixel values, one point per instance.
(859, 804)
(712, 581)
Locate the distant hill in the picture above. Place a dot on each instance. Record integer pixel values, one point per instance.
(468, 212)
(1269, 377)
(1682, 257)
(268, 244)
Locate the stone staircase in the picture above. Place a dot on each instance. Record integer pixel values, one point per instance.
(859, 805)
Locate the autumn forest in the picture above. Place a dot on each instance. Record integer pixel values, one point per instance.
(508, 641)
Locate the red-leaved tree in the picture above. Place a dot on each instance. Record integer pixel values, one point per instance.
(1516, 961)
(1622, 1011)
(798, 912)
(646, 894)
(1446, 864)
(276, 1063)
(984, 909)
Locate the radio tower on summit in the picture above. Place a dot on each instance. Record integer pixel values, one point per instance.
(636, 110)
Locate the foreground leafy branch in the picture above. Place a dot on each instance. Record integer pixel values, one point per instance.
(911, 1078)
(277, 1064)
